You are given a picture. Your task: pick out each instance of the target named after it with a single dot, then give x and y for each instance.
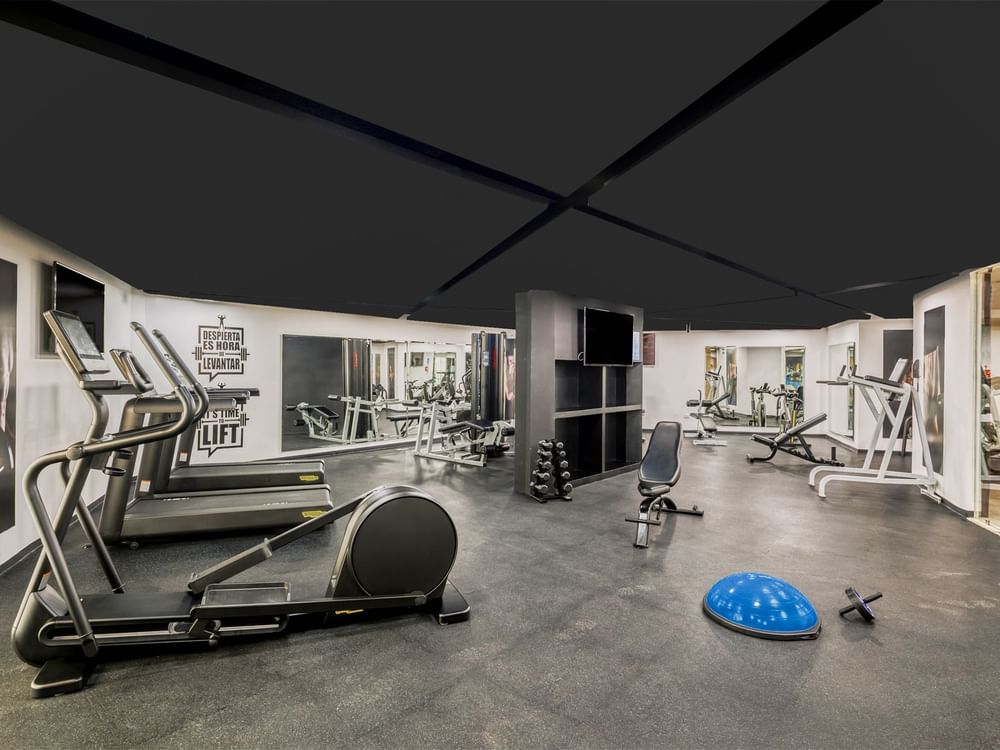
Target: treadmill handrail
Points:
(201, 395)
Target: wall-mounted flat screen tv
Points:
(73, 292)
(607, 337)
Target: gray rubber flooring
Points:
(576, 638)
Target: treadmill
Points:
(166, 466)
(163, 515)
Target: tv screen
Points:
(607, 337)
(78, 295)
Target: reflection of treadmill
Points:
(160, 472)
(169, 514)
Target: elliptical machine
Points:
(398, 549)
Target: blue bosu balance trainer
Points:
(761, 605)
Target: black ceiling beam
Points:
(881, 284)
(88, 32)
(814, 29)
(721, 260)
(810, 32)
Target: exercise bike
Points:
(398, 549)
(758, 410)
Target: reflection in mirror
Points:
(431, 371)
(720, 381)
(764, 384)
(841, 399)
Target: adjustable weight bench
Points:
(793, 442)
(658, 473)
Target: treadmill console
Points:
(76, 343)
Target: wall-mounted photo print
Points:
(8, 382)
(933, 374)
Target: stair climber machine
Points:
(398, 549)
(157, 512)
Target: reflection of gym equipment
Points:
(417, 391)
(323, 423)
(717, 392)
(859, 604)
(658, 473)
(707, 426)
(989, 434)
(758, 411)
(402, 422)
(445, 390)
(793, 442)
(461, 441)
(888, 400)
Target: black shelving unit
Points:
(596, 411)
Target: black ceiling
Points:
(854, 176)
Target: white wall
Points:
(51, 414)
(957, 475)
(679, 371)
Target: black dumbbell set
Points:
(550, 477)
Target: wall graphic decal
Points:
(222, 428)
(221, 350)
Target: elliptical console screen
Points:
(73, 336)
(79, 338)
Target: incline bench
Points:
(793, 442)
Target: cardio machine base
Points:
(60, 676)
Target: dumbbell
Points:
(564, 464)
(566, 488)
(540, 488)
(541, 477)
(544, 465)
(563, 475)
(859, 603)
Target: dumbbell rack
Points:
(550, 477)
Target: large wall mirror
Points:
(841, 406)
(762, 385)
(339, 391)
